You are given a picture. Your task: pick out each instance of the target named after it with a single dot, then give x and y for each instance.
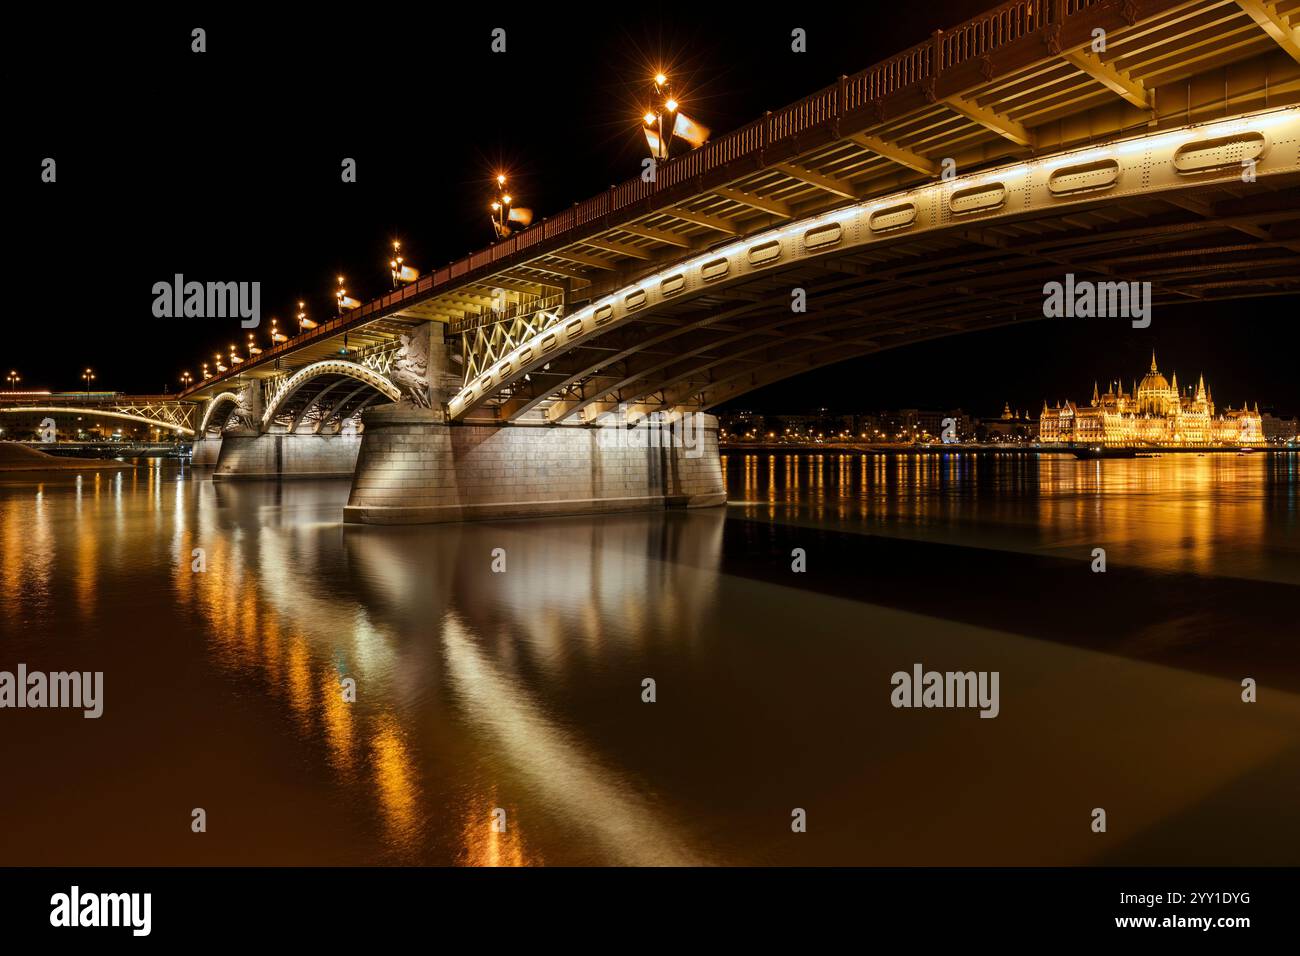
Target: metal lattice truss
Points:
(379, 358)
(483, 346)
(178, 416)
(173, 416)
(1200, 212)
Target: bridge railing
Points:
(976, 38)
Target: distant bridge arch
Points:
(98, 413)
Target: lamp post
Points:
(398, 269)
(665, 121)
(13, 378)
(344, 301)
(87, 377)
(505, 215)
(186, 379)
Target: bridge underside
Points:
(1218, 242)
(324, 404)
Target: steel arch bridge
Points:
(930, 194)
(957, 255)
(321, 394)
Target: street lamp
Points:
(186, 379)
(252, 346)
(304, 323)
(13, 378)
(88, 376)
(504, 212)
(276, 335)
(217, 357)
(398, 268)
(665, 120)
(206, 373)
(345, 301)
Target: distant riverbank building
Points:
(1154, 412)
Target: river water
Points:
(499, 715)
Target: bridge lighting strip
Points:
(1076, 176)
(99, 413)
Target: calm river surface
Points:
(522, 690)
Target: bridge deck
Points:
(1021, 80)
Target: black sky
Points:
(225, 166)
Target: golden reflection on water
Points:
(1219, 514)
(462, 676)
(492, 840)
(395, 785)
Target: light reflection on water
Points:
(521, 691)
(1215, 514)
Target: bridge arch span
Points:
(334, 386)
(961, 254)
(218, 401)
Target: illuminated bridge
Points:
(164, 414)
(935, 193)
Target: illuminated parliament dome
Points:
(1154, 412)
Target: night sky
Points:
(225, 166)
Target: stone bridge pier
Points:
(283, 455)
(253, 448)
(206, 450)
(417, 467)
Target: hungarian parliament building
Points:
(1155, 412)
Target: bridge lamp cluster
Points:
(398, 269)
(665, 121)
(253, 348)
(13, 378)
(344, 301)
(304, 323)
(87, 377)
(507, 218)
